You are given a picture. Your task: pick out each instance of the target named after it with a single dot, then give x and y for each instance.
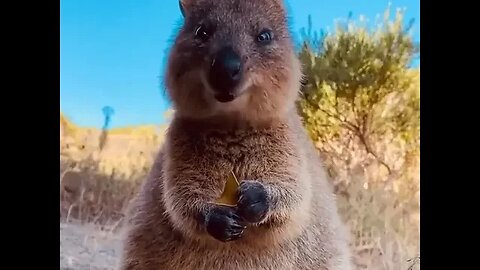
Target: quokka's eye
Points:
(265, 37)
(202, 33)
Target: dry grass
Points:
(381, 210)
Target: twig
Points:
(414, 261)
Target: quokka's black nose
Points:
(226, 71)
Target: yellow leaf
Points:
(229, 195)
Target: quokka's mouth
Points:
(227, 94)
(225, 97)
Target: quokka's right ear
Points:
(185, 6)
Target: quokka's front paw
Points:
(224, 224)
(253, 203)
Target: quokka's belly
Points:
(222, 258)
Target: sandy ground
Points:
(87, 247)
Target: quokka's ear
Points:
(185, 6)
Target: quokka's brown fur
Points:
(287, 216)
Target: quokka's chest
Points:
(249, 156)
(240, 146)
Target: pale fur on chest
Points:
(249, 153)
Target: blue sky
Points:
(112, 52)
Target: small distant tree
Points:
(107, 113)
